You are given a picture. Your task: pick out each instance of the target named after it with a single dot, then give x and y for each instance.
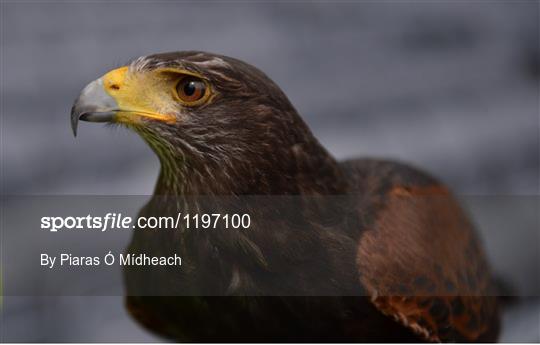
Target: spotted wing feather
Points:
(419, 258)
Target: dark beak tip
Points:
(74, 124)
(74, 120)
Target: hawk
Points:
(401, 260)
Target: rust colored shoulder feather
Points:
(419, 258)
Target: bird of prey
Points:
(398, 260)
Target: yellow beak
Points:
(114, 98)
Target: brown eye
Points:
(191, 89)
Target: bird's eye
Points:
(191, 89)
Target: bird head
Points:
(204, 115)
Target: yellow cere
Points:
(140, 95)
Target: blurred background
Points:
(450, 86)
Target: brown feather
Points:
(422, 265)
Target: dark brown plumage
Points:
(390, 254)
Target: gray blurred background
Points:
(450, 86)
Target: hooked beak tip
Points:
(74, 120)
(93, 105)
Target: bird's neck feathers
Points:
(298, 166)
